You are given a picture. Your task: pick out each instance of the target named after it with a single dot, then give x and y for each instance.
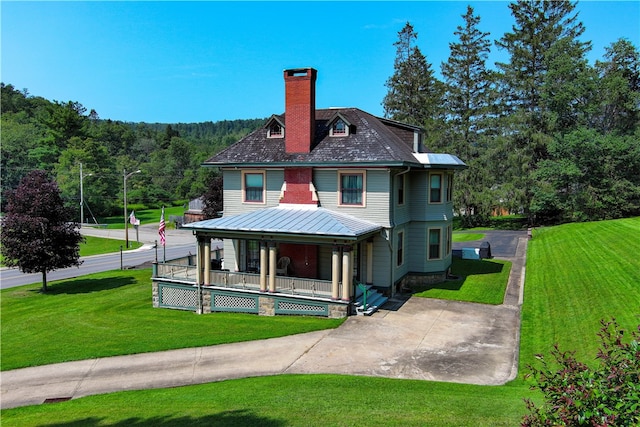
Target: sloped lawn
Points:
(576, 275)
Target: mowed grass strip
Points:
(110, 314)
(478, 281)
(576, 275)
(466, 237)
(146, 216)
(288, 400)
(98, 245)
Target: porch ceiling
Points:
(289, 220)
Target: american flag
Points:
(161, 229)
(132, 218)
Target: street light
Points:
(82, 196)
(126, 218)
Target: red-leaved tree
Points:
(37, 233)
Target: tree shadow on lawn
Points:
(227, 418)
(460, 270)
(85, 286)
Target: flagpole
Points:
(163, 240)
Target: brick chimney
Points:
(300, 109)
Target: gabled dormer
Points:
(339, 126)
(275, 127)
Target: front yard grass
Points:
(110, 313)
(478, 281)
(576, 275)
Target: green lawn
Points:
(466, 237)
(287, 400)
(146, 216)
(478, 281)
(110, 313)
(99, 245)
(576, 275)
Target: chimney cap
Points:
(291, 72)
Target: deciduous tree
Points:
(37, 235)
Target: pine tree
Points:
(415, 95)
(37, 235)
(619, 89)
(528, 122)
(468, 104)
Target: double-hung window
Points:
(449, 187)
(400, 188)
(253, 183)
(400, 251)
(352, 188)
(434, 243)
(435, 188)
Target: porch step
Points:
(374, 300)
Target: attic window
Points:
(275, 131)
(339, 128)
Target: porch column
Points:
(347, 272)
(199, 257)
(335, 273)
(369, 262)
(272, 266)
(263, 266)
(207, 262)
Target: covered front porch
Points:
(299, 261)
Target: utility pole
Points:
(126, 218)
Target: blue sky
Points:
(176, 62)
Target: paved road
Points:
(413, 338)
(180, 243)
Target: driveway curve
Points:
(412, 338)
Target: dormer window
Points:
(275, 130)
(339, 127)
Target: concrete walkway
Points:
(415, 338)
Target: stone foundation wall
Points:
(338, 311)
(155, 294)
(206, 301)
(411, 281)
(267, 306)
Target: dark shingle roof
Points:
(371, 140)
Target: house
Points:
(194, 213)
(323, 209)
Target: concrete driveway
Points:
(413, 338)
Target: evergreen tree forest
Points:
(545, 134)
(65, 140)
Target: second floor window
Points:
(400, 187)
(351, 189)
(254, 187)
(435, 188)
(449, 187)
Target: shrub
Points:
(579, 395)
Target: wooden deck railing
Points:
(251, 281)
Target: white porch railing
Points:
(249, 281)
